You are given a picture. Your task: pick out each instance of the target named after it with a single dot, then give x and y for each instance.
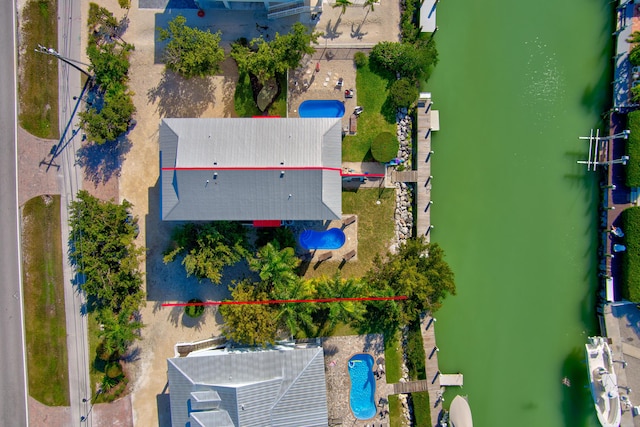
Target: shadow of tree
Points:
(331, 32)
(101, 162)
(180, 97)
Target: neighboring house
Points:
(250, 169)
(279, 387)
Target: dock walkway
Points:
(427, 327)
(427, 122)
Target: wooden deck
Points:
(427, 327)
(411, 387)
(423, 169)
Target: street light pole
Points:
(51, 51)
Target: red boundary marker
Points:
(267, 168)
(284, 301)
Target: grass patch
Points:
(633, 150)
(38, 84)
(375, 230)
(393, 358)
(631, 257)
(373, 89)
(245, 106)
(421, 409)
(395, 411)
(415, 353)
(46, 336)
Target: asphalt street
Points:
(13, 385)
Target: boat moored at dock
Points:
(603, 382)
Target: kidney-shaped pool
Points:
(363, 386)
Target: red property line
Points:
(284, 301)
(267, 168)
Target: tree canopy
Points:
(109, 121)
(411, 60)
(191, 52)
(265, 59)
(252, 324)
(419, 271)
(104, 252)
(208, 248)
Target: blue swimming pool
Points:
(363, 386)
(333, 238)
(316, 108)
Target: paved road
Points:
(13, 381)
(70, 181)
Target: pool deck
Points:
(316, 255)
(337, 352)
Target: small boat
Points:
(460, 413)
(566, 381)
(603, 381)
(617, 231)
(619, 248)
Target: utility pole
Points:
(51, 51)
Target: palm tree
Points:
(118, 332)
(342, 311)
(295, 316)
(343, 4)
(275, 266)
(369, 4)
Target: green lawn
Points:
(395, 411)
(245, 105)
(372, 91)
(375, 230)
(421, 409)
(38, 84)
(43, 282)
(393, 358)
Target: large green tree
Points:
(191, 52)
(104, 253)
(296, 317)
(411, 60)
(419, 271)
(110, 120)
(252, 324)
(265, 59)
(110, 65)
(208, 248)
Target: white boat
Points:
(460, 413)
(604, 383)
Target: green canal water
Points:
(516, 84)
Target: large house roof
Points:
(282, 387)
(251, 169)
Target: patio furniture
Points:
(349, 255)
(353, 124)
(325, 256)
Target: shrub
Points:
(407, 59)
(384, 147)
(113, 369)
(194, 311)
(403, 93)
(631, 257)
(633, 150)
(360, 59)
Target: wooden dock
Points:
(427, 327)
(448, 380)
(427, 122)
(411, 386)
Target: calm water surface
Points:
(516, 85)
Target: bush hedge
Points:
(403, 93)
(631, 257)
(384, 147)
(194, 310)
(633, 150)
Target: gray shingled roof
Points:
(283, 387)
(195, 185)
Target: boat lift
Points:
(599, 149)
